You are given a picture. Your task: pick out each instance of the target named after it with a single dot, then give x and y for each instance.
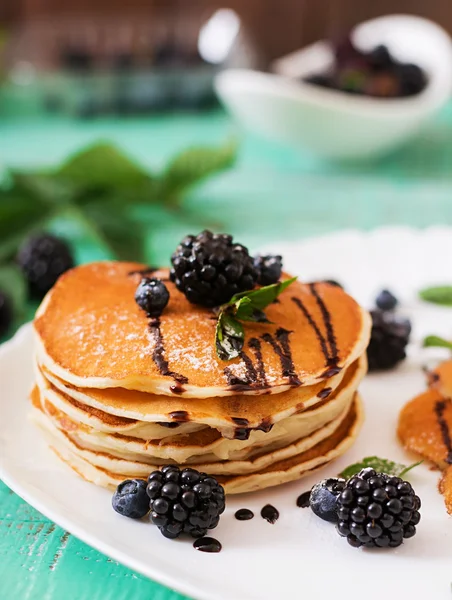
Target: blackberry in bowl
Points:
(210, 268)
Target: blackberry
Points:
(184, 501)
(209, 268)
(152, 296)
(377, 510)
(269, 269)
(388, 340)
(412, 79)
(6, 314)
(43, 258)
(323, 498)
(130, 499)
(386, 301)
(379, 58)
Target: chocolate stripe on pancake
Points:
(440, 408)
(333, 359)
(281, 346)
(158, 356)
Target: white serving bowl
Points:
(333, 124)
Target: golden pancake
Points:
(205, 445)
(227, 414)
(91, 333)
(278, 471)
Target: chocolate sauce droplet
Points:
(179, 415)
(270, 514)
(207, 544)
(244, 514)
(303, 499)
(324, 393)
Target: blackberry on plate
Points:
(323, 498)
(43, 258)
(377, 510)
(131, 499)
(389, 338)
(152, 296)
(386, 300)
(6, 313)
(210, 268)
(184, 501)
(269, 269)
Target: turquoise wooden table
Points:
(273, 193)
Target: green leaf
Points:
(243, 310)
(103, 166)
(12, 283)
(441, 294)
(381, 465)
(49, 188)
(19, 216)
(229, 337)
(264, 296)
(193, 166)
(436, 341)
(123, 237)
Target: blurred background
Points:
(116, 136)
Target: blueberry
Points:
(386, 300)
(131, 499)
(323, 498)
(269, 269)
(152, 296)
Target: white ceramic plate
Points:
(300, 556)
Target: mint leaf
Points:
(244, 310)
(103, 166)
(229, 337)
(264, 296)
(381, 465)
(246, 306)
(436, 342)
(193, 166)
(441, 294)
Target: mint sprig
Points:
(246, 306)
(381, 465)
(440, 294)
(435, 341)
(103, 190)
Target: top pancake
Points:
(91, 333)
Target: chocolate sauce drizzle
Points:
(244, 514)
(324, 393)
(158, 356)
(303, 499)
(281, 347)
(270, 514)
(144, 272)
(256, 347)
(207, 544)
(440, 408)
(328, 344)
(181, 416)
(168, 425)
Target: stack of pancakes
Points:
(119, 394)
